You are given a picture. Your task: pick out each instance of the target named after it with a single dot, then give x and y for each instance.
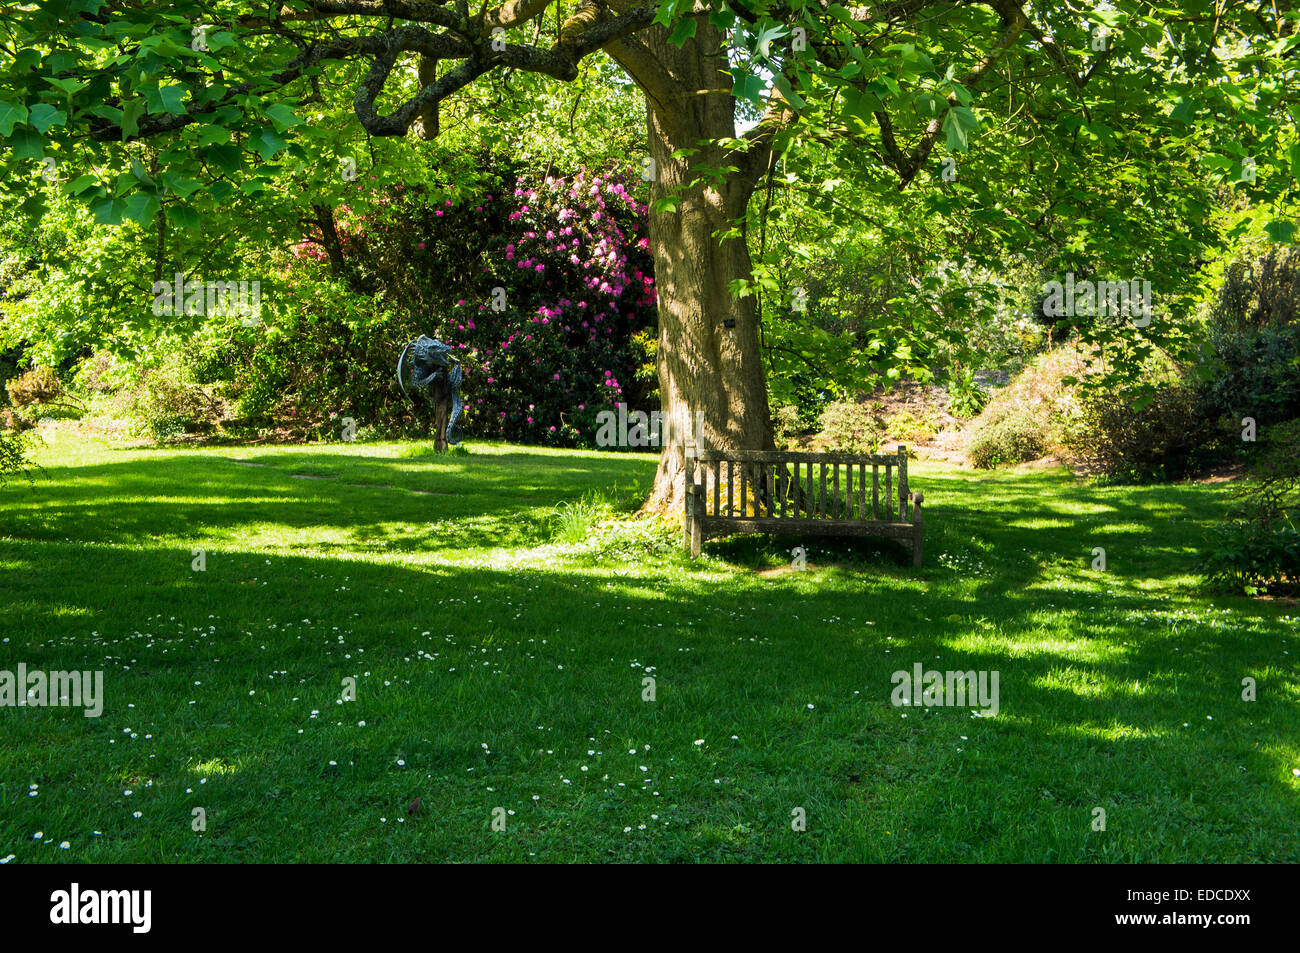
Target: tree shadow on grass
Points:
(799, 668)
(481, 501)
(1097, 682)
(1018, 529)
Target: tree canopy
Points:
(1102, 138)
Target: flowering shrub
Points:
(570, 285)
(543, 289)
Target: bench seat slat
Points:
(711, 527)
(781, 456)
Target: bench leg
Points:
(694, 503)
(917, 529)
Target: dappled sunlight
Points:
(216, 767)
(465, 625)
(1115, 733)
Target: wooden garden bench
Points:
(773, 491)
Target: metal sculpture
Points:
(427, 367)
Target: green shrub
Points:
(13, 455)
(572, 336)
(37, 386)
(1013, 436)
(101, 373)
(573, 521)
(1255, 372)
(36, 395)
(11, 419)
(907, 427)
(1258, 549)
(849, 427)
(1021, 421)
(1254, 558)
(966, 397)
(55, 411)
(1253, 336)
(166, 403)
(787, 423)
(1125, 441)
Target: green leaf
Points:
(10, 115)
(68, 86)
(111, 113)
(26, 59)
(862, 104)
(172, 97)
(225, 158)
(841, 13)
(183, 216)
(140, 207)
(108, 211)
(667, 10)
(955, 134)
(284, 118)
(783, 87)
(132, 110)
(1184, 110)
(747, 86)
(965, 118)
(683, 31)
(179, 185)
(765, 38)
(27, 144)
(80, 184)
(220, 41)
(212, 135)
(1280, 231)
(267, 143)
(163, 46)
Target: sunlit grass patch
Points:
(494, 661)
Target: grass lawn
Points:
(498, 668)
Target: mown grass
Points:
(498, 667)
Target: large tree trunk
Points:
(709, 358)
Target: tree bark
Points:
(709, 360)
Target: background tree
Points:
(879, 88)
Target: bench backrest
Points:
(793, 485)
